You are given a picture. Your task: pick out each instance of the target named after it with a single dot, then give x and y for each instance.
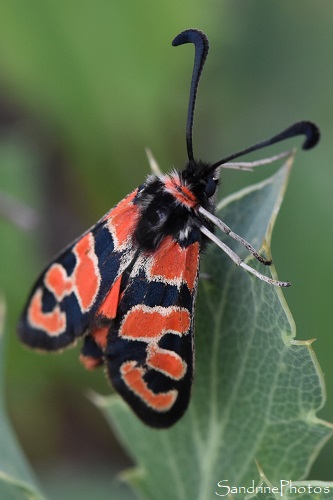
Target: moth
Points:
(127, 286)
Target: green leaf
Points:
(16, 478)
(256, 390)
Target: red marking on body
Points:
(172, 262)
(133, 375)
(122, 219)
(167, 362)
(89, 362)
(148, 323)
(84, 280)
(53, 322)
(182, 193)
(109, 306)
(100, 336)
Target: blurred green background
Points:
(84, 87)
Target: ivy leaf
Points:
(256, 390)
(16, 478)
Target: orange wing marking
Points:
(54, 322)
(175, 264)
(84, 282)
(85, 279)
(89, 362)
(167, 362)
(151, 323)
(100, 335)
(109, 306)
(133, 375)
(108, 310)
(122, 219)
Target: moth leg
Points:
(238, 261)
(226, 229)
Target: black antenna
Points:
(308, 129)
(201, 50)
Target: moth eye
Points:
(210, 187)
